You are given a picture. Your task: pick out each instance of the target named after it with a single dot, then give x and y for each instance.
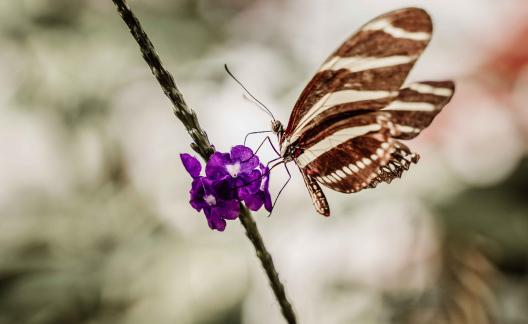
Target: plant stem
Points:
(267, 263)
(202, 146)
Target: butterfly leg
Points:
(267, 173)
(273, 160)
(283, 186)
(254, 133)
(270, 143)
(260, 146)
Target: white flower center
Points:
(210, 200)
(233, 169)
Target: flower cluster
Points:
(230, 178)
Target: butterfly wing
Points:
(417, 105)
(358, 152)
(348, 121)
(365, 72)
(347, 155)
(338, 171)
(316, 193)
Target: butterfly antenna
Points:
(260, 104)
(257, 105)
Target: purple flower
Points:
(191, 164)
(257, 192)
(213, 198)
(240, 161)
(230, 178)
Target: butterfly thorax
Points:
(289, 153)
(287, 150)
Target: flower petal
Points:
(197, 193)
(241, 153)
(248, 160)
(215, 221)
(191, 164)
(265, 177)
(230, 210)
(264, 188)
(268, 204)
(249, 183)
(216, 166)
(253, 202)
(224, 188)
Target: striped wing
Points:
(387, 161)
(317, 194)
(346, 127)
(358, 152)
(416, 106)
(365, 73)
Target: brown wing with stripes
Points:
(316, 193)
(361, 151)
(366, 72)
(338, 171)
(345, 128)
(351, 158)
(417, 105)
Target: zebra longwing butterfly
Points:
(344, 131)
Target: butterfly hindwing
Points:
(400, 160)
(355, 153)
(352, 165)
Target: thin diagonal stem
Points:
(267, 263)
(187, 116)
(203, 147)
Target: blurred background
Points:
(95, 225)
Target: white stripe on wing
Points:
(333, 140)
(337, 98)
(364, 63)
(410, 106)
(396, 32)
(427, 89)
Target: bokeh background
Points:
(95, 226)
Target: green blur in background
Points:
(95, 225)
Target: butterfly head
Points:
(276, 127)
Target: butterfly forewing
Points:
(366, 72)
(416, 106)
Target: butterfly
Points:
(346, 128)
